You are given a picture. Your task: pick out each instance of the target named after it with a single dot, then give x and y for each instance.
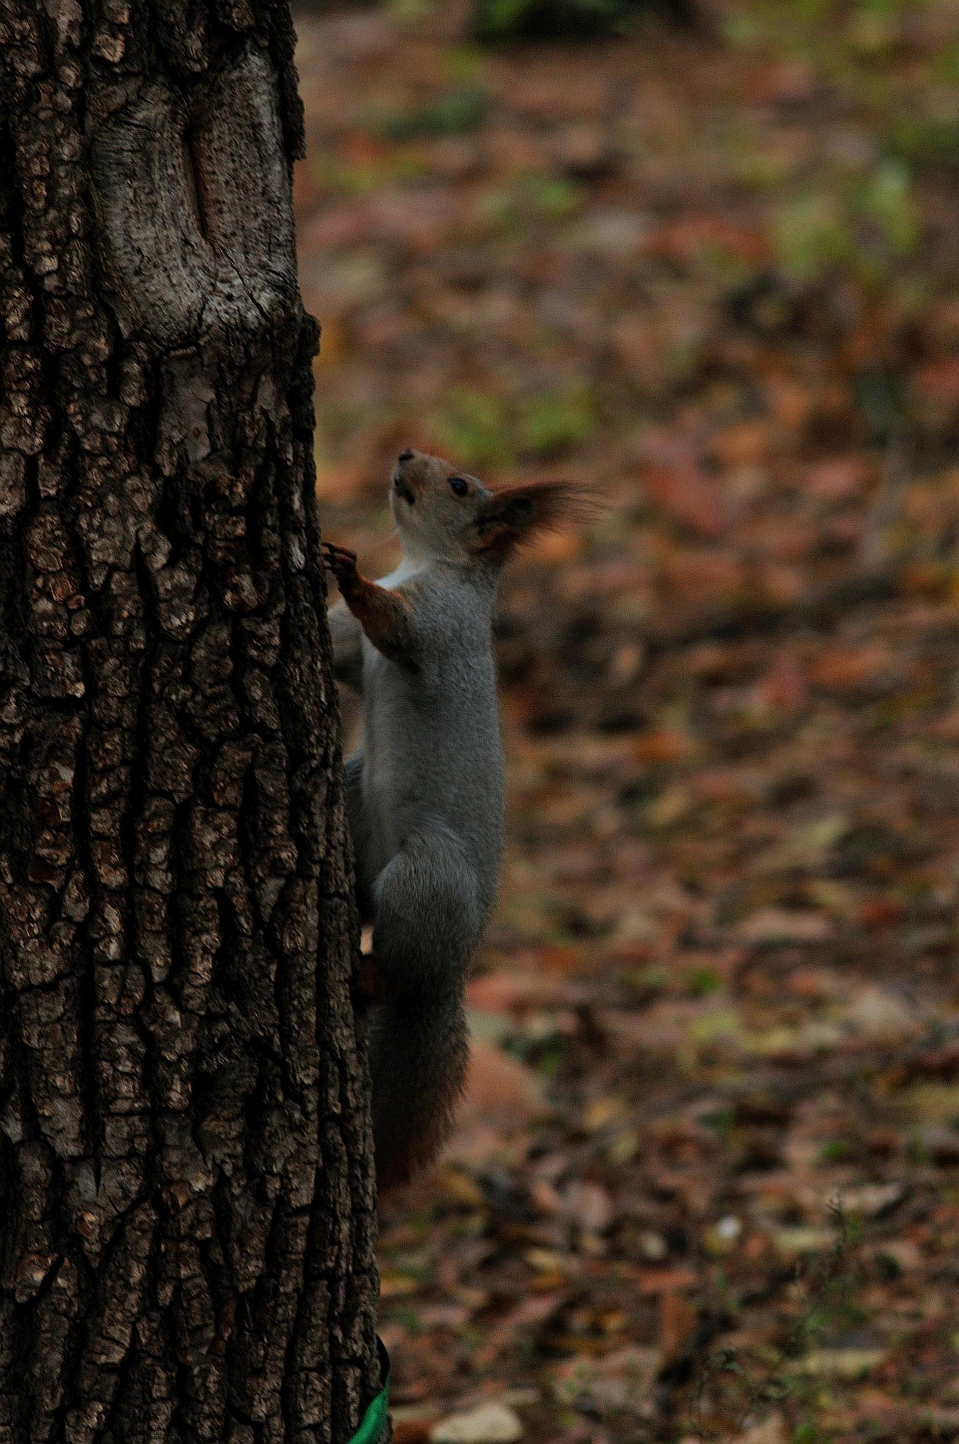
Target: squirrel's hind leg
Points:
(359, 825)
(428, 917)
(365, 985)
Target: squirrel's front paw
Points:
(341, 561)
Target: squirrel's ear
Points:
(516, 514)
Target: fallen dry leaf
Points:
(488, 1424)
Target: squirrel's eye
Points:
(458, 486)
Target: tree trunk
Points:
(187, 1214)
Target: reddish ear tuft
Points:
(517, 514)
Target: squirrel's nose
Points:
(406, 455)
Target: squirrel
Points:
(425, 788)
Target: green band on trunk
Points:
(374, 1420)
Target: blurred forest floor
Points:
(706, 1185)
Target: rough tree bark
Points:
(186, 1201)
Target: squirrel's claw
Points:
(341, 561)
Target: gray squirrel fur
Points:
(425, 787)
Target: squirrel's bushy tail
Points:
(418, 1057)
